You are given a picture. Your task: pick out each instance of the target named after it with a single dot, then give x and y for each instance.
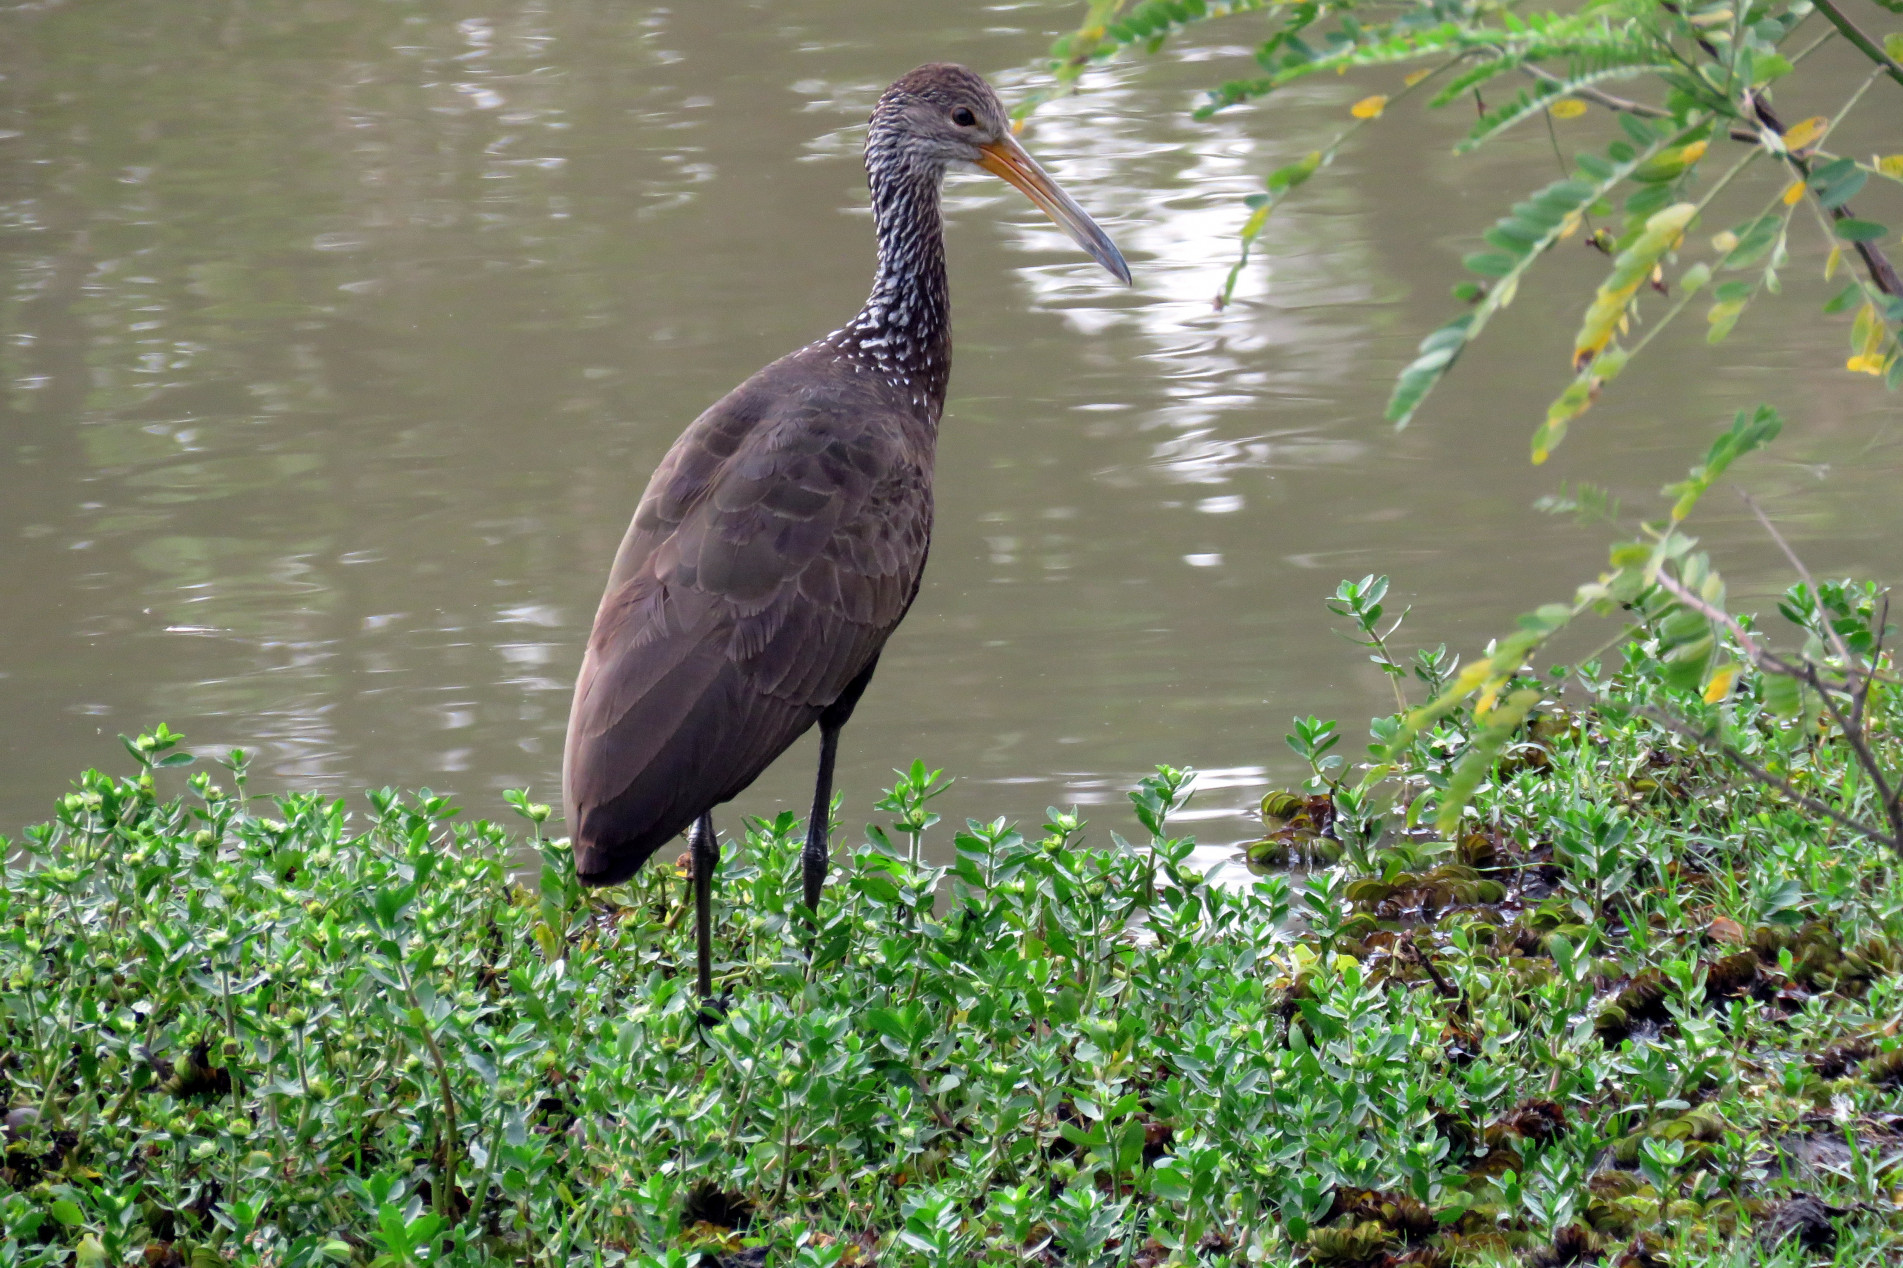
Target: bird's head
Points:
(940, 115)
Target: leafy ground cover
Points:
(1638, 1009)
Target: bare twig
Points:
(1865, 758)
(1855, 683)
(1843, 653)
(1859, 673)
(1756, 655)
(1879, 626)
(1441, 984)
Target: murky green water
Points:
(340, 337)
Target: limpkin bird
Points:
(782, 538)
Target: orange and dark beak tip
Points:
(1006, 159)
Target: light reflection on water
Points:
(339, 340)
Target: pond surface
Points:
(340, 337)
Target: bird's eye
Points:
(963, 117)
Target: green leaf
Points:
(1723, 316)
(1490, 264)
(1747, 433)
(1843, 298)
(1768, 66)
(1755, 238)
(1854, 230)
(1837, 182)
(1782, 696)
(1293, 174)
(888, 1025)
(67, 1212)
(1544, 217)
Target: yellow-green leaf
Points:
(1722, 318)
(1867, 332)
(1722, 679)
(1629, 272)
(1669, 163)
(1501, 722)
(1799, 135)
(1567, 108)
(1631, 555)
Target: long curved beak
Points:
(1006, 158)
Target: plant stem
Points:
(450, 1135)
(1864, 43)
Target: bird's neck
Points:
(904, 331)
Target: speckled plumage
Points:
(777, 546)
(783, 537)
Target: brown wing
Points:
(775, 549)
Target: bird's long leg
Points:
(706, 857)
(817, 855)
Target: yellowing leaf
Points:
(1720, 685)
(1893, 45)
(1722, 317)
(1799, 135)
(1669, 164)
(1723, 243)
(1417, 77)
(1867, 332)
(1793, 192)
(1631, 270)
(1832, 260)
(1470, 678)
(1865, 365)
(1890, 165)
(1569, 108)
(1369, 107)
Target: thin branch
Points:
(1762, 659)
(1857, 681)
(1843, 653)
(1708, 738)
(1878, 265)
(1624, 105)
(1865, 758)
(1864, 43)
(1766, 661)
(1756, 655)
(1861, 694)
